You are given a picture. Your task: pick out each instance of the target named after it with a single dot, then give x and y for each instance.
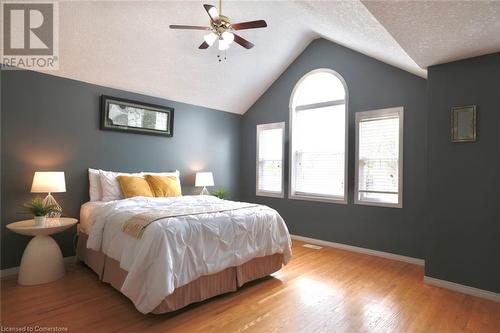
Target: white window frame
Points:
(258, 192)
(378, 114)
(292, 194)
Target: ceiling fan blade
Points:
(243, 42)
(249, 25)
(189, 27)
(203, 46)
(213, 13)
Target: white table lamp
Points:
(49, 182)
(204, 179)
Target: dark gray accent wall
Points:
(52, 123)
(372, 85)
(464, 178)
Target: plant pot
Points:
(40, 220)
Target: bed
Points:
(183, 258)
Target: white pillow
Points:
(175, 173)
(95, 190)
(110, 186)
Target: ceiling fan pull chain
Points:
(220, 57)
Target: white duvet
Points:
(177, 250)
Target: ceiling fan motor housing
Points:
(224, 25)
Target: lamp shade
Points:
(46, 182)
(204, 179)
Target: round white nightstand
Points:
(42, 260)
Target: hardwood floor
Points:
(327, 290)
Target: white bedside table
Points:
(42, 260)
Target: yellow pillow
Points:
(164, 186)
(134, 187)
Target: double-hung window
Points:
(318, 138)
(379, 157)
(270, 139)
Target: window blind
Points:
(378, 158)
(320, 173)
(270, 158)
(319, 143)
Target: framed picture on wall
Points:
(118, 114)
(463, 124)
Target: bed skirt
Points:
(203, 288)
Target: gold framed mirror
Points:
(463, 124)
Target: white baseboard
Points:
(14, 270)
(462, 288)
(387, 255)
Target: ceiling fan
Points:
(221, 29)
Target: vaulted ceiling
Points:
(128, 45)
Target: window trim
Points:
(263, 127)
(372, 114)
(292, 194)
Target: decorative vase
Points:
(39, 221)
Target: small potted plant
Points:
(39, 210)
(220, 193)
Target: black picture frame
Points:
(107, 123)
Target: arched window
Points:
(318, 137)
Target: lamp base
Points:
(50, 201)
(204, 191)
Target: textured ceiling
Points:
(128, 45)
(436, 32)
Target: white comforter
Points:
(177, 250)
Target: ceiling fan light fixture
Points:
(228, 37)
(223, 45)
(210, 38)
